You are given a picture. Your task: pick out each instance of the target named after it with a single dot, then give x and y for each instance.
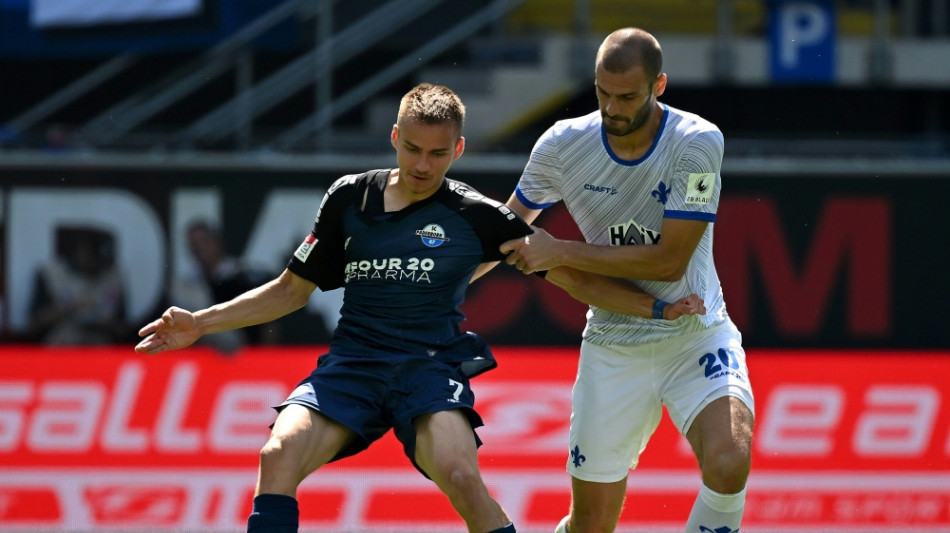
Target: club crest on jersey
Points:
(432, 235)
(661, 193)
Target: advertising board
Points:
(804, 262)
(100, 439)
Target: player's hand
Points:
(691, 305)
(177, 328)
(531, 253)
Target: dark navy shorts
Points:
(372, 395)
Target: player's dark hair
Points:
(432, 104)
(627, 48)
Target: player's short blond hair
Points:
(432, 104)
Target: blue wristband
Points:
(658, 307)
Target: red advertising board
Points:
(100, 439)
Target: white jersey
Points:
(618, 202)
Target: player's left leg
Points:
(721, 437)
(445, 450)
(709, 397)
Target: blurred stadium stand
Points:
(313, 78)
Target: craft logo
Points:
(600, 188)
(432, 235)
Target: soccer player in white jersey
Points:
(629, 173)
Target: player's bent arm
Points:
(272, 300)
(178, 328)
(664, 261)
(526, 213)
(618, 295)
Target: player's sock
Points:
(510, 528)
(562, 525)
(716, 512)
(273, 513)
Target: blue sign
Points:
(802, 41)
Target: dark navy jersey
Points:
(405, 273)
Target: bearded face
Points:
(626, 100)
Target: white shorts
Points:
(620, 392)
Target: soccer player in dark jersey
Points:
(405, 243)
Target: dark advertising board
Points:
(805, 261)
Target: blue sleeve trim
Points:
(529, 203)
(690, 215)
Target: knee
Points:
(464, 479)
(461, 481)
(271, 451)
(276, 457)
(726, 468)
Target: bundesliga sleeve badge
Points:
(699, 188)
(303, 251)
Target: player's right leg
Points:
(301, 441)
(615, 410)
(595, 507)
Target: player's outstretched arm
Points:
(619, 295)
(178, 328)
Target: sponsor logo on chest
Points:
(413, 269)
(632, 233)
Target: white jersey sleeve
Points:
(541, 177)
(696, 181)
(556, 153)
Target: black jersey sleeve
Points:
(492, 221)
(320, 257)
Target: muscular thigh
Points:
(444, 442)
(425, 388)
(723, 425)
(615, 410)
(701, 368)
(350, 391)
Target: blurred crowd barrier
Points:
(813, 258)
